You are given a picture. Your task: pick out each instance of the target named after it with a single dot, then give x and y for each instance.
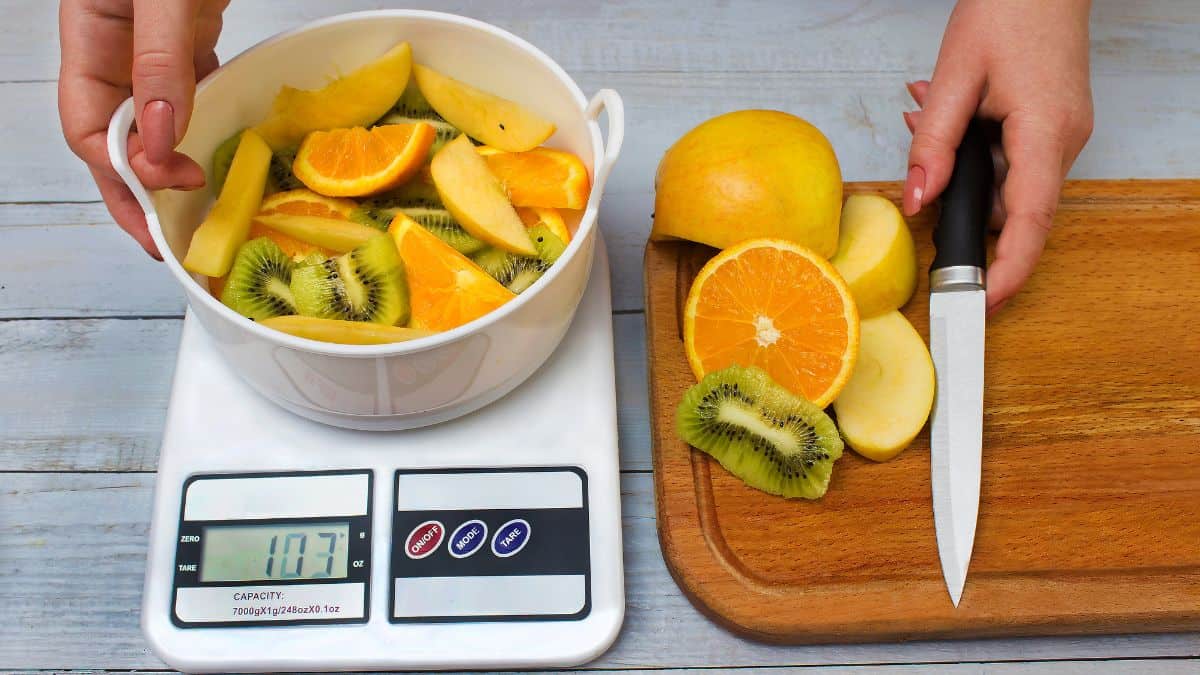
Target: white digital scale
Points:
(492, 541)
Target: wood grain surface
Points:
(1089, 518)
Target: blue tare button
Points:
(468, 538)
(510, 538)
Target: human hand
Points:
(155, 50)
(1023, 63)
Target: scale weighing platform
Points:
(491, 541)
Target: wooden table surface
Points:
(89, 325)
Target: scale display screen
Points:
(270, 552)
(274, 549)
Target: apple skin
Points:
(495, 121)
(876, 255)
(890, 394)
(750, 174)
(476, 199)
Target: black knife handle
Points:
(961, 233)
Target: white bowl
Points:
(424, 381)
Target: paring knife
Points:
(956, 330)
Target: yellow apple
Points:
(890, 394)
(496, 121)
(334, 234)
(225, 227)
(476, 199)
(876, 255)
(343, 332)
(747, 175)
(355, 100)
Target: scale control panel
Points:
(281, 549)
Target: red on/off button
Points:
(424, 540)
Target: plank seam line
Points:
(116, 317)
(114, 472)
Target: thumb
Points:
(1035, 175)
(164, 75)
(952, 99)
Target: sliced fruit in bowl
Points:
(475, 198)
(366, 284)
(355, 162)
(447, 289)
(333, 234)
(494, 120)
(259, 283)
(540, 177)
(518, 272)
(356, 99)
(343, 332)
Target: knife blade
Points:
(957, 309)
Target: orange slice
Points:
(355, 162)
(540, 177)
(445, 288)
(533, 216)
(778, 306)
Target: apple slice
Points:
(496, 121)
(331, 233)
(343, 332)
(476, 199)
(354, 100)
(875, 255)
(890, 394)
(224, 229)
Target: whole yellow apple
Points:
(746, 175)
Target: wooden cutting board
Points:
(1089, 520)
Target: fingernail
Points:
(914, 190)
(157, 131)
(912, 89)
(909, 121)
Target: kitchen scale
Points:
(491, 541)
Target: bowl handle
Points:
(118, 154)
(607, 99)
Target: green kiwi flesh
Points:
(222, 159)
(417, 200)
(411, 108)
(770, 438)
(366, 284)
(517, 272)
(279, 175)
(258, 285)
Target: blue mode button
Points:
(468, 538)
(510, 538)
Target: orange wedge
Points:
(445, 288)
(356, 162)
(540, 177)
(778, 306)
(533, 216)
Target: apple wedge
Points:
(354, 100)
(496, 121)
(876, 255)
(224, 229)
(331, 233)
(476, 199)
(343, 332)
(890, 394)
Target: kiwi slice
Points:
(222, 159)
(772, 439)
(379, 211)
(258, 286)
(518, 272)
(411, 108)
(366, 284)
(279, 175)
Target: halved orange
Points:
(445, 288)
(540, 177)
(779, 306)
(533, 216)
(356, 162)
